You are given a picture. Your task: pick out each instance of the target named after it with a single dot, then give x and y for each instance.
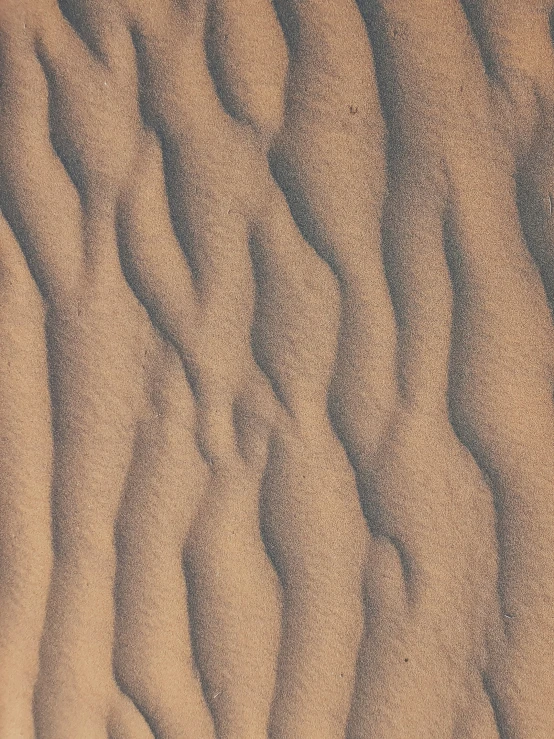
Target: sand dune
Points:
(276, 402)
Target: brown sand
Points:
(276, 403)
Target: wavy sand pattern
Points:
(276, 400)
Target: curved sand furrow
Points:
(153, 656)
(419, 278)
(312, 523)
(333, 139)
(240, 636)
(248, 62)
(480, 389)
(94, 411)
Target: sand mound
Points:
(276, 403)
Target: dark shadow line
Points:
(359, 670)
(283, 176)
(9, 211)
(532, 216)
(288, 18)
(271, 549)
(370, 511)
(132, 278)
(269, 546)
(61, 145)
(189, 577)
(73, 13)
(475, 17)
(123, 688)
(153, 122)
(57, 412)
(55, 424)
(499, 718)
(216, 67)
(466, 436)
(256, 258)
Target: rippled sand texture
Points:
(276, 378)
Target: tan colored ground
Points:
(276, 369)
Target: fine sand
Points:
(276, 369)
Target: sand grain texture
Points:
(276, 379)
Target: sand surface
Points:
(276, 369)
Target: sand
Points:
(276, 369)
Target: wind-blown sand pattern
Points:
(276, 400)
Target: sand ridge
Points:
(276, 389)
